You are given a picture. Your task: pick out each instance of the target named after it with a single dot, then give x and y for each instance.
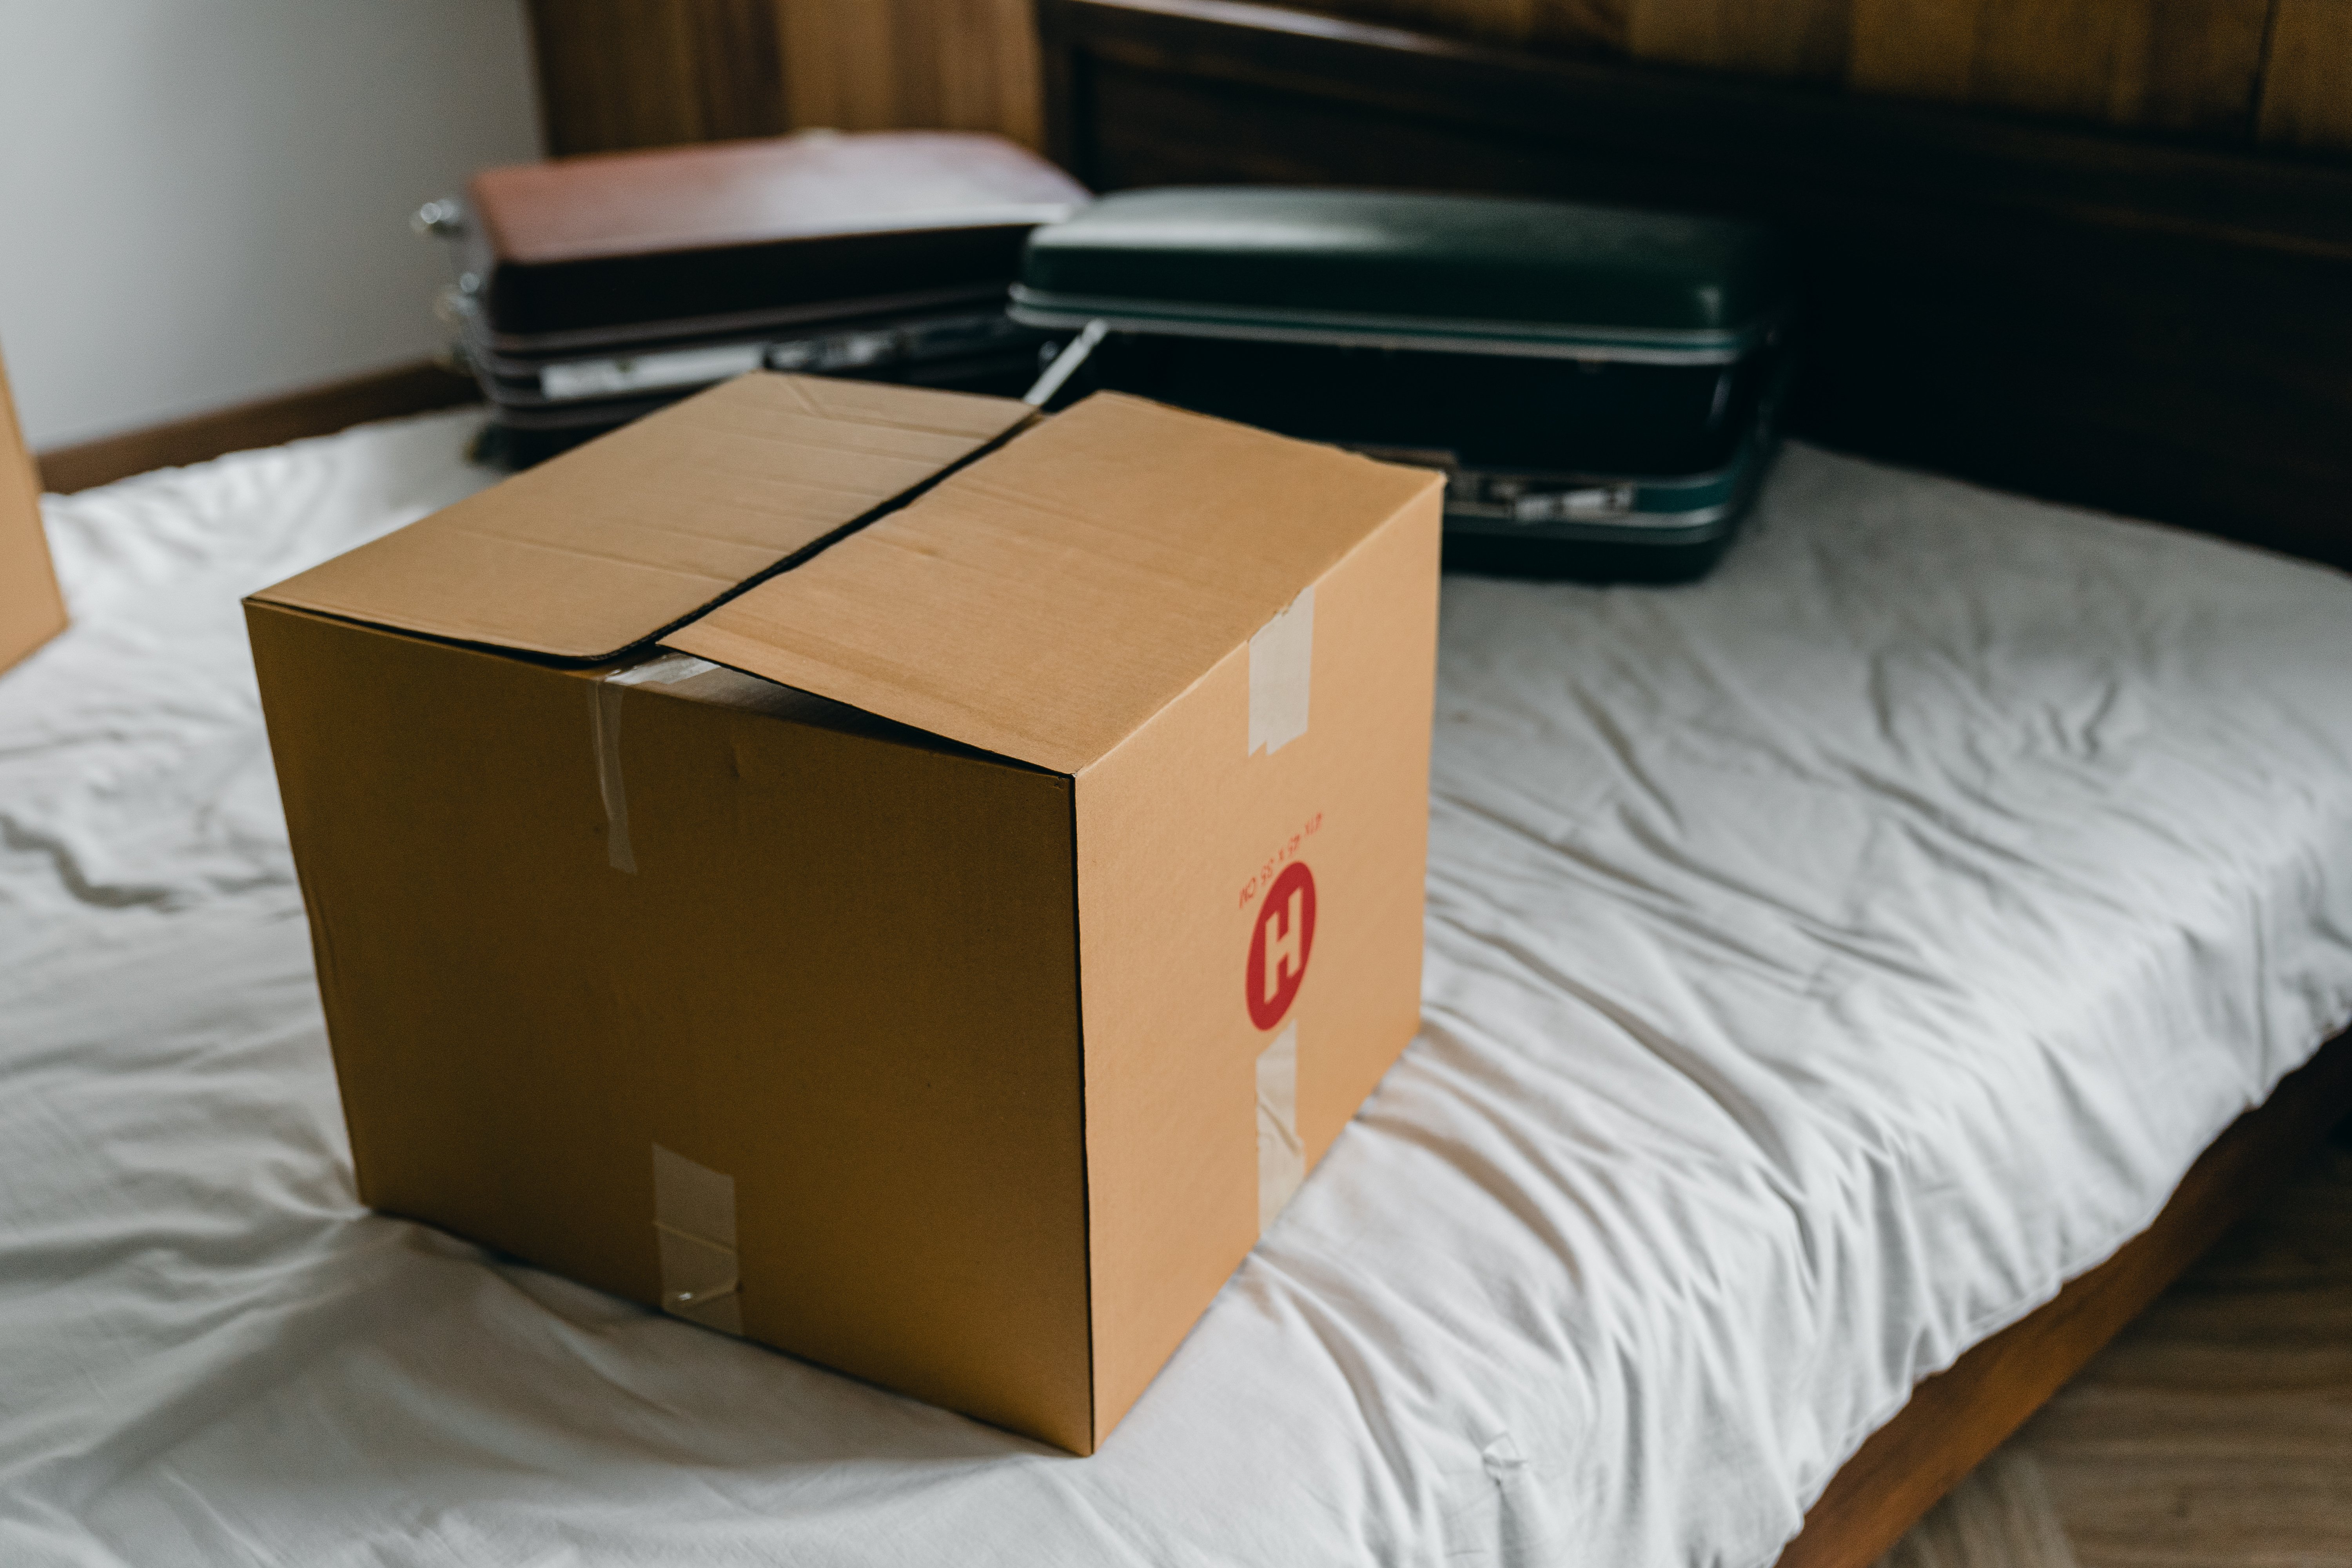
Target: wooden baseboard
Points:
(1956, 1418)
(266, 422)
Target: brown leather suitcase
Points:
(593, 289)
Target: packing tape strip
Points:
(604, 719)
(667, 670)
(1281, 664)
(694, 1229)
(1281, 1156)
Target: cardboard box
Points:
(938, 959)
(31, 611)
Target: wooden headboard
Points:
(2150, 324)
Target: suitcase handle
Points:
(1065, 365)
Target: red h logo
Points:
(1280, 944)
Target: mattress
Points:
(1825, 963)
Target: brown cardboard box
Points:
(31, 611)
(935, 961)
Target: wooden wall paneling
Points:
(738, 67)
(841, 65)
(1799, 40)
(651, 73)
(2306, 93)
(2202, 71)
(2191, 65)
(2058, 57)
(615, 74)
(607, 78)
(989, 76)
(1914, 48)
(2172, 65)
(2175, 64)
(951, 65)
(1579, 25)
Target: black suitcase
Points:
(593, 289)
(1601, 386)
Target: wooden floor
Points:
(2215, 1432)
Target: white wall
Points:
(206, 201)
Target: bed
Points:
(1827, 963)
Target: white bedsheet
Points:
(1826, 962)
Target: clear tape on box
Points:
(1281, 1155)
(694, 1227)
(1281, 662)
(605, 721)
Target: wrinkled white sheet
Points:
(1826, 962)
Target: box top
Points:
(1040, 603)
(763, 192)
(1401, 269)
(1045, 600)
(606, 546)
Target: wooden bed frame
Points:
(2151, 326)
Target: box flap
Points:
(1048, 599)
(601, 548)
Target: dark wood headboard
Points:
(2153, 326)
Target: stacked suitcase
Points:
(593, 289)
(1601, 386)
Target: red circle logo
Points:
(1280, 944)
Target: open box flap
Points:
(593, 553)
(1045, 600)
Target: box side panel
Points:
(1207, 964)
(1376, 678)
(864, 954)
(450, 862)
(31, 611)
(561, 923)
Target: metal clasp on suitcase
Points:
(1562, 506)
(1535, 498)
(864, 348)
(1513, 497)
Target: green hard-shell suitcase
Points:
(1601, 385)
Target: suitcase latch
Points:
(1560, 506)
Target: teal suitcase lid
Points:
(1484, 274)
